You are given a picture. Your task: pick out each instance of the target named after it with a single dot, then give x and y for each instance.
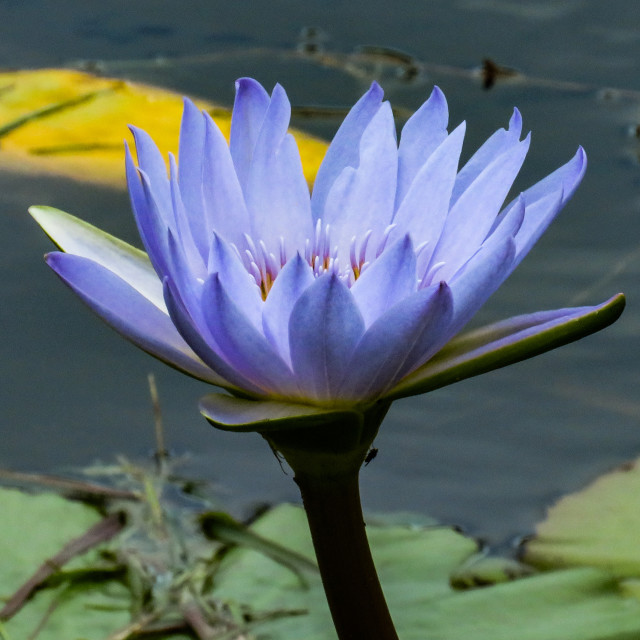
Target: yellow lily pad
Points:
(73, 124)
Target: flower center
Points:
(319, 252)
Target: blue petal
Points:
(344, 148)
(472, 216)
(424, 209)
(276, 192)
(225, 209)
(421, 135)
(362, 197)
(243, 346)
(291, 282)
(151, 224)
(196, 334)
(249, 109)
(398, 342)
(233, 276)
(129, 313)
(150, 160)
(544, 200)
(495, 145)
(324, 328)
(386, 281)
(192, 133)
(153, 228)
(480, 277)
(187, 236)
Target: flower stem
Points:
(326, 460)
(349, 577)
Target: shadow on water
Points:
(490, 453)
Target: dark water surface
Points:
(489, 453)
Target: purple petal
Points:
(472, 216)
(225, 208)
(150, 160)
(495, 145)
(192, 134)
(537, 217)
(567, 177)
(424, 210)
(362, 197)
(249, 109)
(197, 336)
(344, 148)
(324, 328)
(386, 281)
(276, 193)
(233, 276)
(545, 199)
(151, 225)
(511, 223)
(153, 228)
(194, 253)
(399, 341)
(242, 345)
(421, 135)
(129, 313)
(292, 281)
(480, 277)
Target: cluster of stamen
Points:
(318, 252)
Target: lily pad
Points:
(415, 565)
(595, 527)
(35, 528)
(72, 123)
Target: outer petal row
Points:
(129, 313)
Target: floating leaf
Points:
(482, 570)
(415, 565)
(35, 528)
(73, 124)
(596, 527)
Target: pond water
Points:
(490, 453)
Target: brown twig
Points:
(100, 532)
(75, 488)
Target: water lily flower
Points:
(335, 299)
(317, 311)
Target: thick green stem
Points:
(350, 581)
(326, 460)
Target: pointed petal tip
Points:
(247, 84)
(437, 93)
(52, 258)
(581, 157)
(376, 88)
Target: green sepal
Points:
(316, 441)
(468, 355)
(73, 235)
(231, 413)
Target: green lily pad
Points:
(35, 528)
(596, 527)
(415, 565)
